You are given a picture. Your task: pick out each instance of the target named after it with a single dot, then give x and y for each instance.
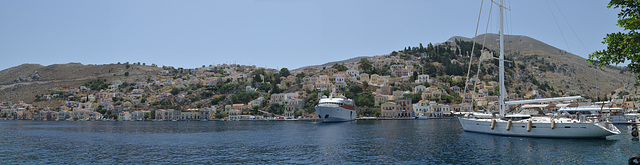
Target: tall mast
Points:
(501, 66)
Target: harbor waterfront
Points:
(437, 141)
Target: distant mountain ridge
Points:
(329, 64)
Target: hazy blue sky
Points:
(271, 33)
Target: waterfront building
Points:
(139, 115)
(80, 114)
(190, 114)
(289, 111)
(124, 116)
(422, 107)
(387, 110)
(436, 110)
(64, 115)
(404, 108)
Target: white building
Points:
(423, 78)
(353, 74)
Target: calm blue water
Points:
(301, 142)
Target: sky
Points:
(275, 33)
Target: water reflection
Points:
(300, 142)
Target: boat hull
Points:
(561, 130)
(335, 114)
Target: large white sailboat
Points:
(534, 124)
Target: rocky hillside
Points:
(562, 70)
(25, 81)
(329, 64)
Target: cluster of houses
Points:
(23, 111)
(83, 103)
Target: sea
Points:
(438, 141)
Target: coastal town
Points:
(425, 81)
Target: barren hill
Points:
(562, 70)
(23, 82)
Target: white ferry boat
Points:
(337, 109)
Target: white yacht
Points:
(337, 109)
(534, 124)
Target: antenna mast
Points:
(501, 66)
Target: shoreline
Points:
(107, 120)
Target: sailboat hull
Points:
(561, 130)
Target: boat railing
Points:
(583, 117)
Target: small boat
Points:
(421, 117)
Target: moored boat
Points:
(543, 126)
(338, 109)
(535, 123)
(422, 117)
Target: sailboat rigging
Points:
(534, 122)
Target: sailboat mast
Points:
(501, 66)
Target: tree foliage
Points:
(217, 100)
(175, 91)
(243, 97)
(365, 65)
(97, 84)
(621, 46)
(257, 78)
(366, 99)
(219, 115)
(414, 97)
(339, 67)
(276, 109)
(284, 72)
